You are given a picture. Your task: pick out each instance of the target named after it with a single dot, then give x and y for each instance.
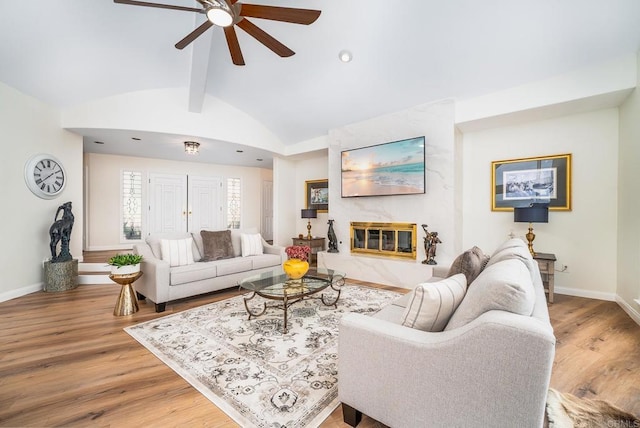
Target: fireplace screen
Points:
(385, 239)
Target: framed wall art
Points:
(317, 195)
(521, 182)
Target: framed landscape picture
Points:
(521, 182)
(317, 195)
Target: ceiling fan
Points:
(231, 13)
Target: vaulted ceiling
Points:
(71, 52)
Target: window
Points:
(233, 203)
(131, 205)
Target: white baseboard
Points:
(633, 313)
(23, 291)
(599, 295)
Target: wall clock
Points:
(45, 176)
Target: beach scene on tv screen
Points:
(395, 168)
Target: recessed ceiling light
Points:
(98, 142)
(345, 55)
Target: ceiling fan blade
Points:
(234, 46)
(158, 5)
(194, 35)
(265, 38)
(276, 13)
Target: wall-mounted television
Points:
(395, 168)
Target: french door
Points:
(183, 203)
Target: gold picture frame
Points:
(317, 195)
(542, 179)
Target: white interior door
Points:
(167, 203)
(267, 210)
(205, 199)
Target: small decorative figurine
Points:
(60, 231)
(333, 240)
(431, 241)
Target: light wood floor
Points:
(65, 361)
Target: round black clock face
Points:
(45, 176)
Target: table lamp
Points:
(535, 213)
(309, 213)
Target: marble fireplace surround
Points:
(439, 207)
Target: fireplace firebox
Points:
(397, 240)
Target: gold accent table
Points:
(127, 303)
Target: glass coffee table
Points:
(275, 285)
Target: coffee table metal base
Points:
(286, 302)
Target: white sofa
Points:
(162, 283)
(492, 371)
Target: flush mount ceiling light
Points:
(191, 147)
(345, 56)
(219, 13)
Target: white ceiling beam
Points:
(200, 54)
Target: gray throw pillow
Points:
(216, 245)
(470, 263)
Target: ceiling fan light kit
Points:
(231, 13)
(219, 13)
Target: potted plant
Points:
(124, 264)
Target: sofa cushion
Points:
(265, 260)
(432, 304)
(234, 265)
(518, 252)
(190, 273)
(216, 245)
(510, 243)
(177, 252)
(504, 286)
(251, 244)
(154, 243)
(470, 263)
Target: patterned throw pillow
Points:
(432, 303)
(178, 252)
(251, 244)
(216, 245)
(470, 263)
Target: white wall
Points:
(103, 196)
(28, 127)
(584, 239)
(629, 205)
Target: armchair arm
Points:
(154, 283)
(494, 371)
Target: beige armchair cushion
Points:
(504, 286)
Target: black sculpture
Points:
(60, 231)
(431, 240)
(333, 240)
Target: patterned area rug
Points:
(248, 368)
